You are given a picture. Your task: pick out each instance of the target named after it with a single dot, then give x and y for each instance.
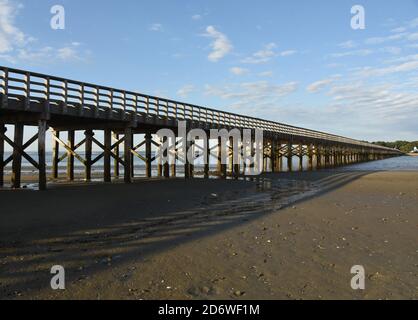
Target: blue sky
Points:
(297, 62)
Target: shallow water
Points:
(393, 164)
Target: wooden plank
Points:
(17, 156)
(107, 156)
(42, 127)
(70, 155)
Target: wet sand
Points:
(283, 236)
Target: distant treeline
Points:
(404, 146)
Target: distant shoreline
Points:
(413, 154)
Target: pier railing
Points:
(36, 87)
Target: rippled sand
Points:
(282, 236)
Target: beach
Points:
(278, 236)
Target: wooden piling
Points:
(222, 168)
(273, 156)
(55, 155)
(116, 171)
(17, 156)
(127, 155)
(165, 154)
(289, 157)
(173, 165)
(88, 152)
(107, 155)
(206, 146)
(310, 157)
(148, 154)
(42, 127)
(300, 157)
(70, 156)
(3, 130)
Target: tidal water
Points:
(404, 163)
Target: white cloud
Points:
(249, 96)
(266, 74)
(348, 44)
(359, 53)
(380, 40)
(399, 68)
(392, 50)
(221, 45)
(413, 36)
(287, 53)
(398, 30)
(196, 17)
(156, 27)
(238, 71)
(262, 56)
(414, 23)
(10, 35)
(16, 46)
(185, 91)
(321, 84)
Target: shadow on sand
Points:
(88, 228)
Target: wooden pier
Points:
(66, 106)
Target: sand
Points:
(213, 239)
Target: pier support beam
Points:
(289, 157)
(3, 130)
(17, 156)
(127, 155)
(221, 161)
(55, 155)
(88, 151)
(116, 171)
(300, 155)
(318, 154)
(107, 155)
(42, 127)
(206, 146)
(70, 156)
(173, 165)
(187, 165)
(310, 157)
(148, 155)
(166, 164)
(273, 156)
